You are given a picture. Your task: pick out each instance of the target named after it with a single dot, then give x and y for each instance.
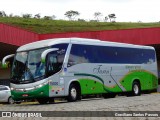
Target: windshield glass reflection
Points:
(28, 67)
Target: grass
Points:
(42, 26)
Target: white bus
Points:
(74, 67)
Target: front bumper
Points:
(41, 92)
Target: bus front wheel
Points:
(42, 100)
(73, 93)
(10, 100)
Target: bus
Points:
(76, 67)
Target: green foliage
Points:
(0, 64)
(27, 15)
(38, 16)
(47, 18)
(71, 14)
(43, 26)
(3, 14)
(112, 17)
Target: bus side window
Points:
(78, 55)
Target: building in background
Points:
(12, 37)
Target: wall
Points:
(141, 36)
(16, 36)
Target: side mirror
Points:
(44, 54)
(4, 63)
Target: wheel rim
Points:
(73, 93)
(11, 101)
(136, 89)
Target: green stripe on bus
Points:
(147, 80)
(90, 75)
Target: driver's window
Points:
(52, 60)
(53, 64)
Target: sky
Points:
(125, 10)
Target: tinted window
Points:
(106, 54)
(81, 54)
(55, 59)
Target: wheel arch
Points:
(136, 80)
(9, 98)
(73, 81)
(77, 84)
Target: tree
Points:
(47, 17)
(38, 16)
(81, 20)
(112, 17)
(106, 18)
(71, 14)
(3, 14)
(97, 15)
(11, 15)
(27, 15)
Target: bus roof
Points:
(50, 42)
(43, 43)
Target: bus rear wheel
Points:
(73, 93)
(136, 89)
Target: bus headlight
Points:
(12, 88)
(45, 83)
(38, 86)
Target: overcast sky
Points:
(125, 10)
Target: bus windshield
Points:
(27, 66)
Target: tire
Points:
(10, 100)
(136, 89)
(51, 100)
(18, 102)
(43, 100)
(73, 93)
